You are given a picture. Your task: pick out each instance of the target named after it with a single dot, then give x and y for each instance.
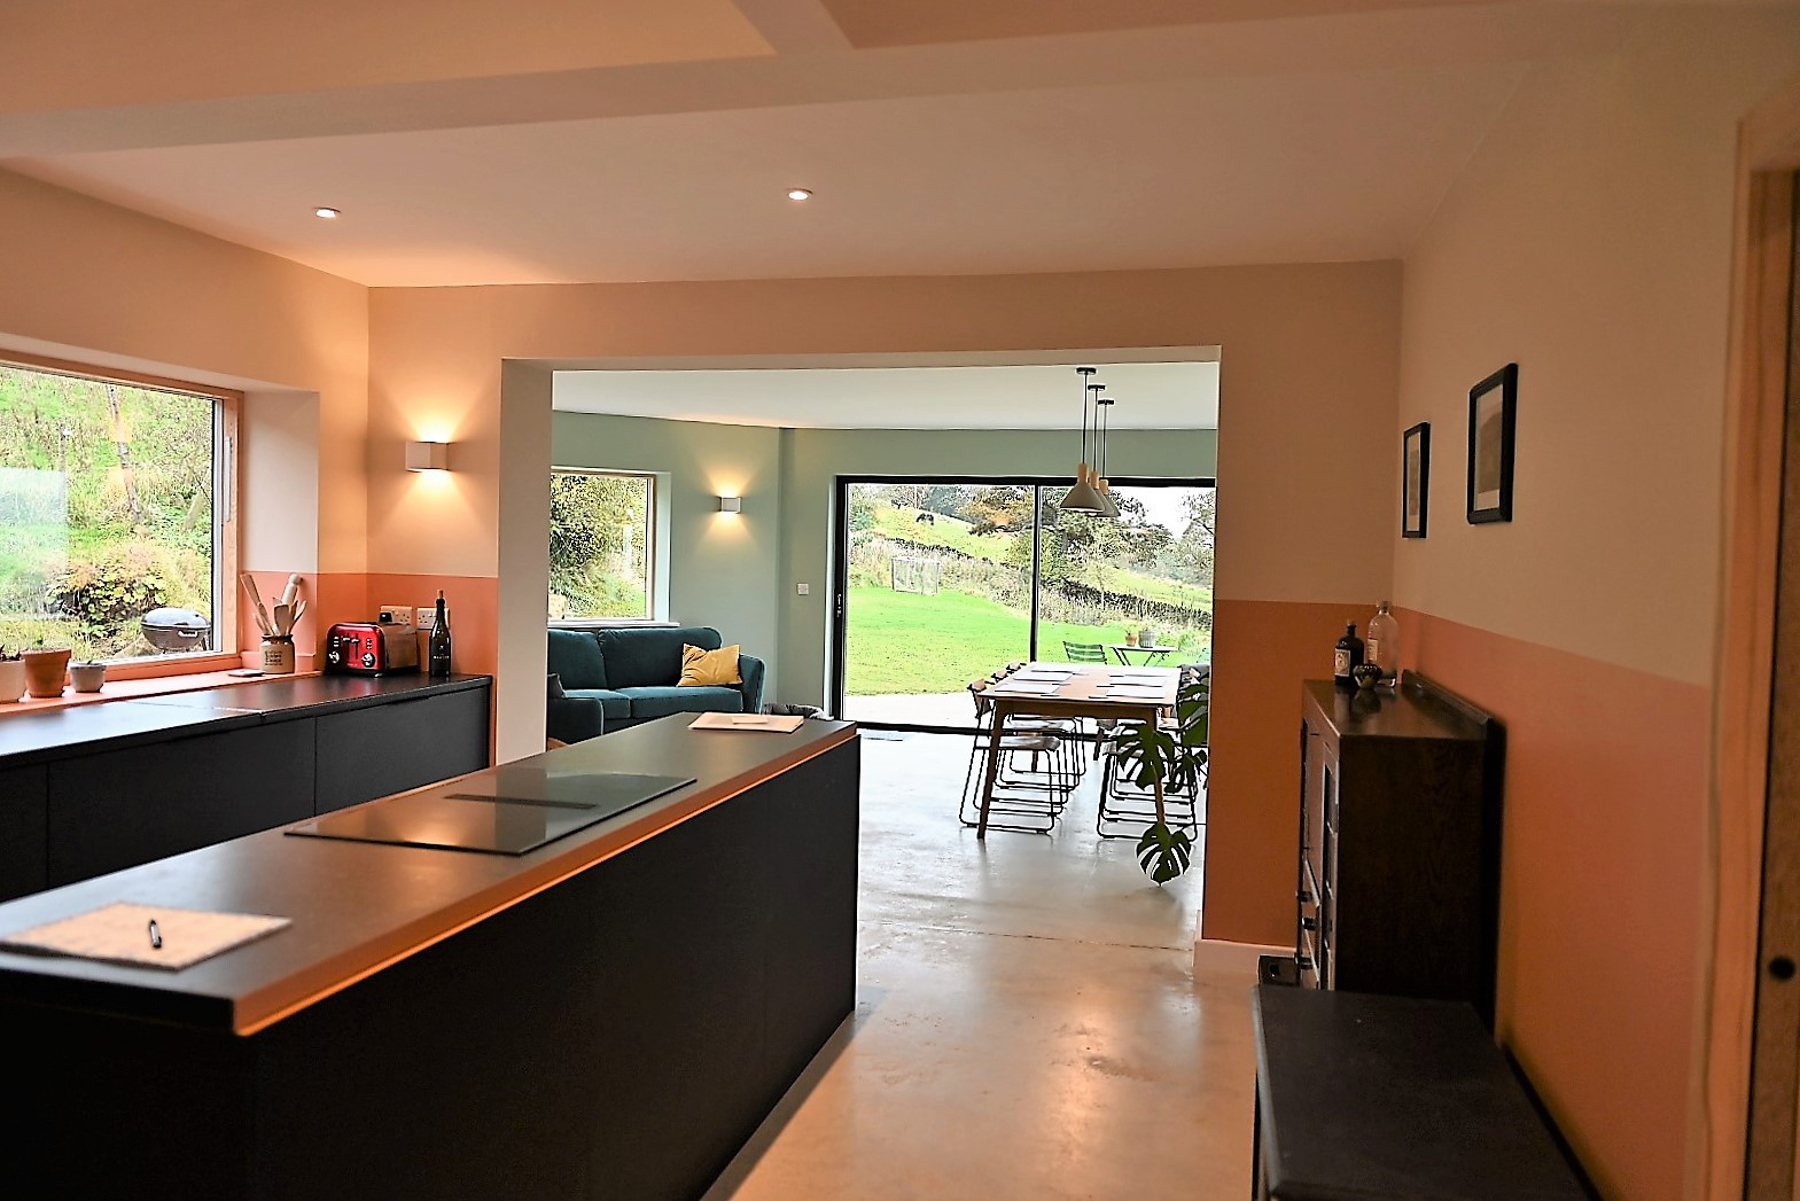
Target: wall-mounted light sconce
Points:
(428, 456)
(731, 504)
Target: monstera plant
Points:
(1149, 755)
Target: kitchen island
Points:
(610, 1014)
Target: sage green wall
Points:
(714, 569)
(739, 575)
(812, 459)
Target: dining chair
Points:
(1028, 797)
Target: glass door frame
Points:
(840, 564)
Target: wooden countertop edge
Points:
(259, 1010)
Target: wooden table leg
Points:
(1001, 710)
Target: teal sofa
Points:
(634, 673)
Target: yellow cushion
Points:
(705, 669)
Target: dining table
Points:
(1074, 690)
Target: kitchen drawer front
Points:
(121, 808)
(384, 749)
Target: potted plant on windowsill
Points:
(46, 669)
(12, 676)
(1150, 755)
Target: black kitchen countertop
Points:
(42, 735)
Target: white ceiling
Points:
(655, 139)
(1037, 396)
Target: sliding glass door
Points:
(942, 581)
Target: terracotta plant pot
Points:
(87, 677)
(45, 672)
(12, 680)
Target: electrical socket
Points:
(401, 615)
(428, 616)
(803, 589)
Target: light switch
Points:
(803, 589)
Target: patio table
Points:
(1152, 654)
(1081, 690)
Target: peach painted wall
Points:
(1589, 240)
(89, 281)
(1309, 373)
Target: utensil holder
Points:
(278, 655)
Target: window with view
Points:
(600, 544)
(112, 537)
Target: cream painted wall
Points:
(1309, 371)
(116, 287)
(719, 571)
(278, 481)
(814, 458)
(1589, 241)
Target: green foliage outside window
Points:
(106, 510)
(599, 545)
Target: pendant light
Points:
(1103, 427)
(1083, 498)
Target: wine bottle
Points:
(1384, 642)
(438, 649)
(1349, 655)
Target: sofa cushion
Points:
(615, 705)
(575, 656)
(662, 700)
(642, 657)
(699, 668)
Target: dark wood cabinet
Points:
(1398, 878)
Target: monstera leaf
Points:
(1149, 755)
(1164, 853)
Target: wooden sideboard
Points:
(1399, 858)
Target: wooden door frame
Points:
(1755, 435)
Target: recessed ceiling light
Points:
(328, 214)
(799, 194)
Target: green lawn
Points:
(955, 534)
(907, 643)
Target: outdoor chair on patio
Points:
(1084, 652)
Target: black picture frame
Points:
(1493, 416)
(1415, 480)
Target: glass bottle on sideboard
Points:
(1349, 656)
(1384, 641)
(438, 648)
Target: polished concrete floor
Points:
(1028, 1022)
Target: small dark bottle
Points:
(1349, 655)
(438, 648)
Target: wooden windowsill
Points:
(125, 690)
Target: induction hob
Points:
(516, 809)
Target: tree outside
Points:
(599, 544)
(106, 510)
(940, 580)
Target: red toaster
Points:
(369, 648)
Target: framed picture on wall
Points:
(1492, 414)
(1415, 480)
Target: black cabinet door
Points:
(23, 825)
(384, 749)
(122, 808)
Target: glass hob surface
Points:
(515, 810)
